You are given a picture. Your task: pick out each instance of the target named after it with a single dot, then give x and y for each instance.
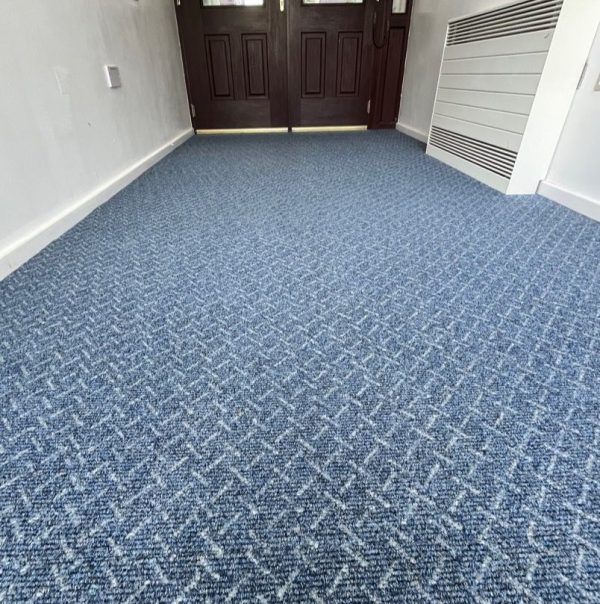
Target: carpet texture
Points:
(304, 368)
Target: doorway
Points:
(293, 64)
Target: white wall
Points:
(426, 41)
(574, 175)
(63, 153)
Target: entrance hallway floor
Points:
(297, 368)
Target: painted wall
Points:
(575, 168)
(64, 135)
(426, 40)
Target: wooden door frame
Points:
(381, 62)
(181, 29)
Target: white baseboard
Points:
(25, 248)
(410, 131)
(584, 205)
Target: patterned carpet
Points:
(298, 368)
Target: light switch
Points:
(113, 76)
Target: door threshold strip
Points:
(241, 130)
(329, 128)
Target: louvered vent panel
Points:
(491, 157)
(490, 74)
(520, 18)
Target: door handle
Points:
(380, 33)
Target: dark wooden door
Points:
(390, 39)
(293, 63)
(329, 68)
(235, 60)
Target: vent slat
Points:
(464, 137)
(514, 31)
(501, 35)
(528, 7)
(545, 13)
(541, 21)
(475, 149)
(474, 157)
(525, 17)
(480, 147)
(496, 159)
(477, 162)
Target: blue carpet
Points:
(304, 368)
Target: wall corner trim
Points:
(20, 251)
(413, 132)
(574, 201)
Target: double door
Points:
(289, 63)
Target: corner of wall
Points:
(17, 253)
(574, 201)
(411, 131)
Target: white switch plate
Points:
(113, 76)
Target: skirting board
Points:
(410, 131)
(584, 205)
(22, 250)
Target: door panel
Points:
(235, 61)
(313, 65)
(220, 69)
(329, 53)
(254, 49)
(348, 68)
